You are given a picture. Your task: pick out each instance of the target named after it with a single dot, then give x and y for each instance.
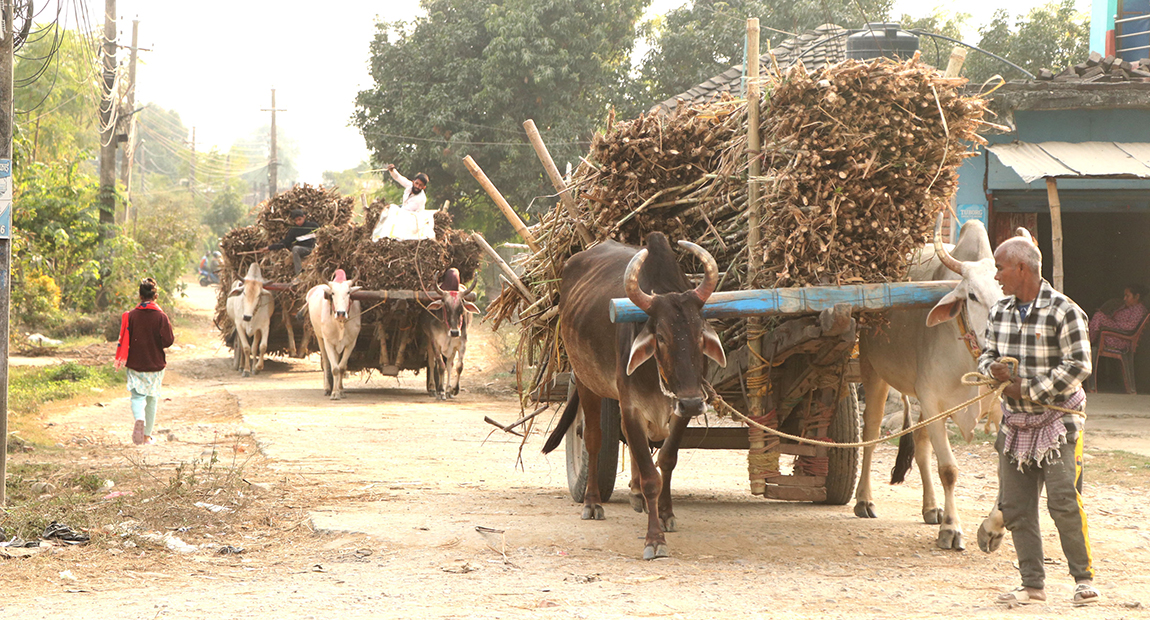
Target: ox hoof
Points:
(247, 374)
(865, 510)
(668, 523)
(335, 396)
(638, 503)
(593, 513)
(650, 552)
(932, 516)
(989, 539)
(951, 539)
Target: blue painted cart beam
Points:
(805, 300)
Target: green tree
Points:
(227, 210)
(462, 80)
(1052, 36)
(702, 39)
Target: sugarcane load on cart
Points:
(810, 235)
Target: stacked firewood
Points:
(857, 161)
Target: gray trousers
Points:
(1019, 493)
(298, 253)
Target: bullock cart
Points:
(810, 387)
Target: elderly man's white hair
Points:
(1024, 251)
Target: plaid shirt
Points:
(1052, 347)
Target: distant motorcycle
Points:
(208, 278)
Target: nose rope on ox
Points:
(970, 378)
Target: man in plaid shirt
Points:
(1047, 333)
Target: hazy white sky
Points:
(216, 61)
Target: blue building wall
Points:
(1060, 126)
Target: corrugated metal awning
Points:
(1035, 160)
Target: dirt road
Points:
(402, 482)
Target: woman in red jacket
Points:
(145, 332)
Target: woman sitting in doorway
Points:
(1123, 315)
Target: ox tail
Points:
(569, 413)
(905, 457)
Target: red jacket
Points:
(150, 332)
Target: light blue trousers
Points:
(144, 408)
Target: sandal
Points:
(1085, 594)
(138, 432)
(1021, 596)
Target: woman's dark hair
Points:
(147, 289)
(297, 213)
(1137, 289)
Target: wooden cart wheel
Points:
(577, 457)
(842, 465)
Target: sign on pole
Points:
(5, 198)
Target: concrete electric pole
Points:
(108, 119)
(130, 110)
(273, 159)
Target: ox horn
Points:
(471, 287)
(631, 282)
(710, 270)
(1021, 231)
(951, 262)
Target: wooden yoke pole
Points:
(1055, 231)
(501, 202)
(757, 375)
(565, 196)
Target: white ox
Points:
(250, 308)
(335, 319)
(924, 354)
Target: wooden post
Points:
(957, 58)
(758, 388)
(501, 202)
(504, 267)
(565, 196)
(1055, 231)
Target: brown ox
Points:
(445, 324)
(657, 399)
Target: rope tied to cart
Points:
(970, 378)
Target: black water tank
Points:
(881, 40)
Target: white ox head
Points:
(977, 291)
(338, 291)
(452, 302)
(251, 288)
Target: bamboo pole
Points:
(565, 196)
(755, 380)
(501, 202)
(953, 69)
(1055, 231)
(504, 267)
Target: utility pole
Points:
(108, 122)
(129, 108)
(192, 176)
(273, 160)
(5, 229)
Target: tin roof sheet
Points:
(1035, 160)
